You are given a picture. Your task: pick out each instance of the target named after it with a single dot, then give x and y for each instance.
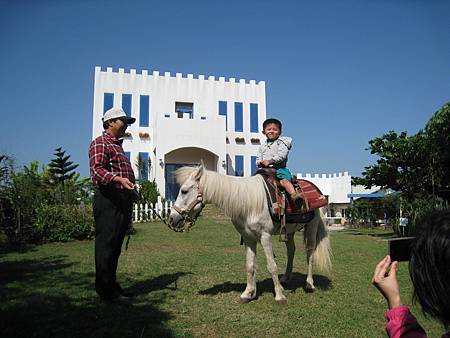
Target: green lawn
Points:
(188, 285)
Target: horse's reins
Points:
(184, 213)
(141, 197)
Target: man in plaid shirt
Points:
(114, 183)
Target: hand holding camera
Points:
(386, 281)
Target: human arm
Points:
(99, 161)
(401, 323)
(386, 282)
(259, 161)
(124, 181)
(283, 147)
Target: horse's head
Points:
(189, 202)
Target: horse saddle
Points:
(280, 205)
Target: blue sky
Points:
(337, 73)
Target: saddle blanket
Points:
(280, 205)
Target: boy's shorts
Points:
(284, 173)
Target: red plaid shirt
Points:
(107, 160)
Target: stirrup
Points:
(283, 234)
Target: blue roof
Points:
(366, 195)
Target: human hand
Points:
(263, 164)
(386, 282)
(125, 182)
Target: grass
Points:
(188, 285)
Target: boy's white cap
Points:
(117, 113)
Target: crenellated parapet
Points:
(189, 76)
(334, 175)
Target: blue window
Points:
(253, 117)
(182, 108)
(223, 112)
(239, 165)
(108, 101)
(126, 103)
(253, 164)
(144, 114)
(143, 165)
(238, 117)
(128, 154)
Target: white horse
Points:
(244, 200)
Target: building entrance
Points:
(172, 187)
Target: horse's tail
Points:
(322, 252)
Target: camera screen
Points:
(400, 248)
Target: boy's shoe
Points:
(297, 199)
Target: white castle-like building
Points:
(183, 119)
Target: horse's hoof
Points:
(281, 301)
(244, 300)
(310, 288)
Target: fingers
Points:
(380, 270)
(394, 268)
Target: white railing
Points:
(143, 212)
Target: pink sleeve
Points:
(401, 323)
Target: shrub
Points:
(149, 191)
(62, 223)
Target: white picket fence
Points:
(144, 213)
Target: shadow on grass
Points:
(47, 298)
(6, 248)
(373, 233)
(162, 282)
(297, 281)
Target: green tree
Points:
(61, 167)
(26, 192)
(6, 169)
(143, 168)
(415, 165)
(437, 131)
(149, 191)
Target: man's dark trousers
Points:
(112, 214)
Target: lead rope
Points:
(141, 197)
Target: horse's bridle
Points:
(188, 220)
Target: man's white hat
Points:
(117, 113)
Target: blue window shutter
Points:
(144, 114)
(126, 103)
(108, 101)
(254, 117)
(239, 165)
(223, 112)
(238, 117)
(253, 164)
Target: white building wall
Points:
(335, 186)
(167, 131)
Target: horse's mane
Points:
(238, 197)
